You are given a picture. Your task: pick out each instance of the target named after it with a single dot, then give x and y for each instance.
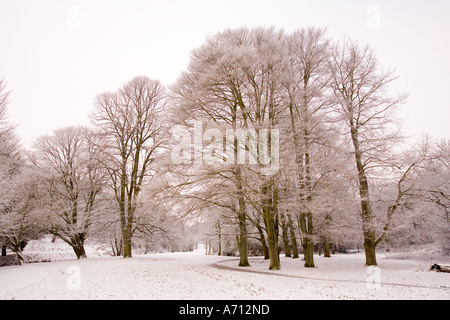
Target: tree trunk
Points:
(219, 234)
(117, 247)
(369, 248)
(16, 248)
(273, 247)
(366, 205)
(307, 241)
(270, 223)
(243, 253)
(284, 228)
(293, 239)
(309, 232)
(127, 242)
(326, 247)
(242, 240)
(77, 243)
(80, 252)
(262, 239)
(113, 249)
(3, 251)
(20, 258)
(287, 248)
(127, 248)
(242, 218)
(308, 251)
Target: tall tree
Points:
(366, 111)
(210, 91)
(14, 226)
(232, 83)
(306, 82)
(130, 124)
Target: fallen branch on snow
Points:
(440, 268)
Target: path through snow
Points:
(194, 276)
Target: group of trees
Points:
(79, 182)
(339, 151)
(282, 141)
(17, 187)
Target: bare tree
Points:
(5, 149)
(129, 122)
(209, 90)
(424, 193)
(72, 179)
(306, 84)
(366, 111)
(20, 218)
(10, 171)
(9, 142)
(233, 83)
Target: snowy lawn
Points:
(195, 276)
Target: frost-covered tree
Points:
(18, 186)
(366, 111)
(130, 123)
(233, 83)
(305, 81)
(72, 179)
(21, 220)
(9, 142)
(425, 203)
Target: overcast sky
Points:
(57, 55)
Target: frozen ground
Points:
(193, 276)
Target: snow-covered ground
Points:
(194, 276)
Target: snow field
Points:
(346, 277)
(195, 276)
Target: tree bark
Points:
(15, 246)
(262, 239)
(271, 228)
(242, 239)
(308, 243)
(285, 235)
(219, 235)
(126, 234)
(326, 247)
(287, 249)
(308, 251)
(366, 205)
(20, 258)
(77, 243)
(80, 252)
(293, 239)
(117, 247)
(369, 248)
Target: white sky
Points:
(57, 55)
